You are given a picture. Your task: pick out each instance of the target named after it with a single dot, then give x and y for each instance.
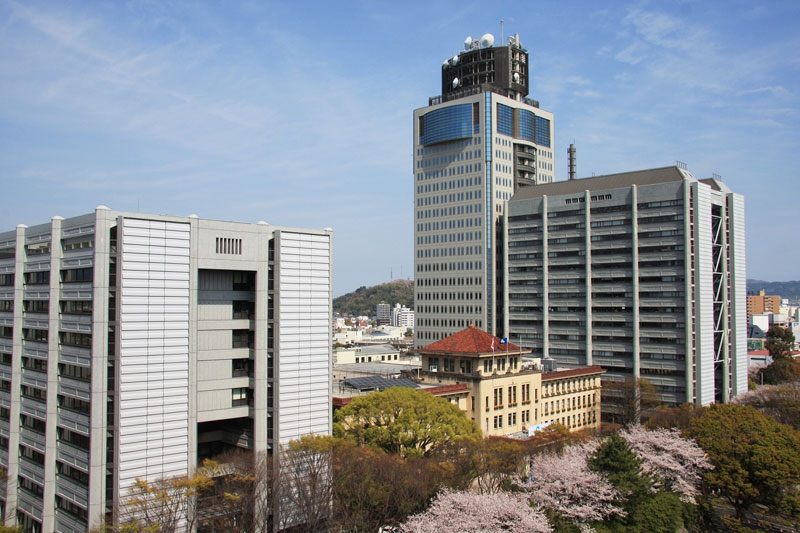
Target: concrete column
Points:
(688, 306)
(48, 509)
(99, 383)
(545, 283)
(587, 202)
(16, 379)
(635, 277)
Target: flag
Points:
(504, 340)
(492, 343)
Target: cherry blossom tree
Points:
(473, 513)
(677, 461)
(564, 483)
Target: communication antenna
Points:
(502, 31)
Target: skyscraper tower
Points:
(474, 146)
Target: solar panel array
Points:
(379, 383)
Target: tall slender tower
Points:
(474, 146)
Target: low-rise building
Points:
(506, 396)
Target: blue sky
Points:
(300, 114)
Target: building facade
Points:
(402, 316)
(642, 273)
(383, 314)
(505, 394)
(762, 303)
(134, 345)
(474, 146)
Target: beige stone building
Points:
(507, 396)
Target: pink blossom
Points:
(679, 462)
(473, 513)
(563, 482)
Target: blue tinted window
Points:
(504, 120)
(543, 131)
(527, 125)
(447, 124)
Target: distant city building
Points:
(474, 146)
(383, 313)
(133, 346)
(761, 303)
(506, 395)
(402, 316)
(642, 273)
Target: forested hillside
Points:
(364, 299)
(784, 289)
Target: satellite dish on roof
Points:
(446, 63)
(467, 43)
(455, 60)
(455, 83)
(487, 41)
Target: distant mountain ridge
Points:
(363, 301)
(784, 289)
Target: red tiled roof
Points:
(470, 341)
(561, 374)
(340, 402)
(766, 352)
(447, 389)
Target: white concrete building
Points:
(132, 346)
(402, 316)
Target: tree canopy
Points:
(403, 421)
(780, 342)
(756, 459)
(781, 370)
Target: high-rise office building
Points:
(133, 346)
(383, 314)
(642, 273)
(474, 146)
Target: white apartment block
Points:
(402, 316)
(474, 146)
(642, 273)
(133, 346)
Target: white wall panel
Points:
(303, 285)
(704, 296)
(154, 351)
(738, 340)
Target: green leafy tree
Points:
(403, 421)
(615, 458)
(781, 370)
(756, 459)
(780, 342)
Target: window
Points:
(242, 338)
(244, 281)
(70, 338)
(76, 372)
(77, 275)
(75, 308)
(37, 278)
(239, 397)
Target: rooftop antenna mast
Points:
(502, 31)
